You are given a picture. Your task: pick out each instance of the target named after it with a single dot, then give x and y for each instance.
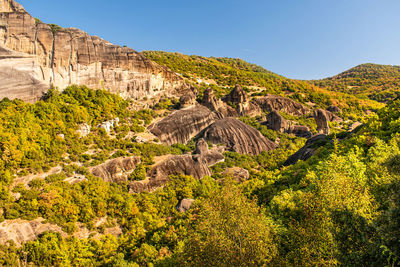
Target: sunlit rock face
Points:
(34, 56)
(238, 137)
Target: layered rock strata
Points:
(35, 56)
(116, 170)
(238, 137)
(182, 125)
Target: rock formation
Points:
(116, 170)
(22, 231)
(237, 136)
(109, 125)
(282, 104)
(182, 125)
(334, 109)
(238, 174)
(83, 130)
(34, 56)
(210, 101)
(322, 118)
(308, 150)
(187, 100)
(239, 99)
(277, 123)
(196, 165)
(184, 205)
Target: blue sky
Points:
(302, 39)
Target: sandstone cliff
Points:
(34, 56)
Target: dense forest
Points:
(341, 207)
(377, 82)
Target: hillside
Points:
(377, 82)
(223, 73)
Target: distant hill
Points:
(223, 73)
(377, 82)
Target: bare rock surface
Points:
(196, 165)
(322, 118)
(22, 231)
(239, 98)
(184, 205)
(238, 174)
(277, 123)
(308, 150)
(83, 129)
(116, 170)
(217, 105)
(35, 55)
(182, 125)
(237, 136)
(282, 104)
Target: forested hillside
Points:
(339, 207)
(377, 82)
(223, 73)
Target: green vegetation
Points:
(377, 82)
(341, 207)
(222, 74)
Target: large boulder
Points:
(238, 174)
(184, 205)
(238, 136)
(196, 165)
(182, 125)
(321, 119)
(269, 103)
(277, 123)
(308, 150)
(116, 170)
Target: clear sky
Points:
(302, 39)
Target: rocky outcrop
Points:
(22, 231)
(34, 56)
(239, 99)
(238, 174)
(184, 205)
(187, 100)
(196, 165)
(277, 123)
(109, 125)
(83, 129)
(332, 117)
(334, 109)
(182, 125)
(116, 170)
(308, 150)
(322, 118)
(220, 108)
(237, 136)
(282, 104)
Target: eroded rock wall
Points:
(36, 56)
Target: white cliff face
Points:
(42, 56)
